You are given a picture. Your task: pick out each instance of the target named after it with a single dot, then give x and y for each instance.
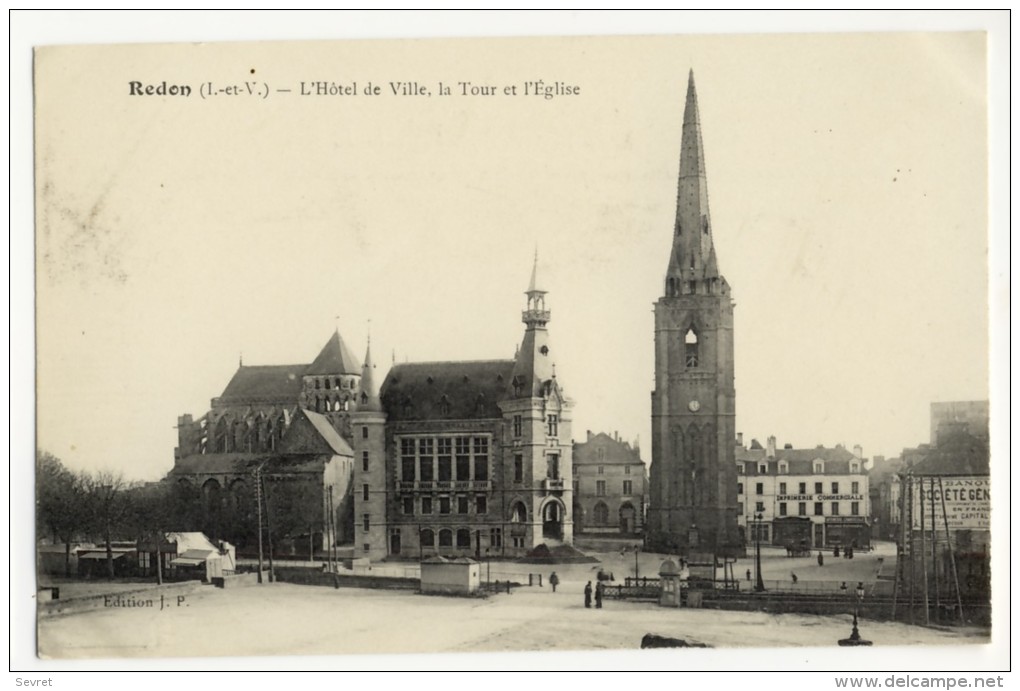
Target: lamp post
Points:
(855, 635)
(488, 581)
(637, 551)
(759, 584)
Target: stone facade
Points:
(692, 502)
(293, 423)
(813, 498)
(610, 486)
(466, 458)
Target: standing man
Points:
(554, 580)
(587, 595)
(821, 559)
(598, 595)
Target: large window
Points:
(818, 488)
(462, 504)
(601, 514)
(426, 449)
(553, 466)
(426, 504)
(835, 508)
(444, 448)
(446, 538)
(552, 426)
(364, 461)
(802, 488)
(759, 488)
(855, 508)
(802, 508)
(407, 460)
(740, 488)
(365, 521)
(496, 537)
(782, 508)
(518, 426)
(855, 488)
(444, 505)
(782, 488)
(481, 504)
(408, 505)
(818, 508)
(428, 538)
(463, 445)
(463, 537)
(481, 447)
(835, 488)
(518, 468)
(628, 487)
(364, 492)
(600, 488)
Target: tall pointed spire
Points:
(693, 255)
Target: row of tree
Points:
(103, 507)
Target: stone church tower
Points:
(693, 482)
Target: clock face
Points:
(694, 406)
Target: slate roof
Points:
(837, 460)
(276, 383)
(960, 454)
(243, 463)
(471, 389)
(617, 452)
(328, 433)
(335, 358)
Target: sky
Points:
(847, 185)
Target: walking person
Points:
(794, 577)
(749, 574)
(821, 559)
(587, 595)
(554, 580)
(599, 588)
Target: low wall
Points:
(301, 576)
(128, 599)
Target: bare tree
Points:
(60, 503)
(108, 507)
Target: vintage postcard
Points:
(478, 345)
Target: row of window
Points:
(436, 458)
(817, 467)
(600, 488)
(334, 383)
(819, 508)
(443, 505)
(552, 425)
(759, 488)
(602, 468)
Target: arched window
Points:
(601, 514)
(463, 537)
(221, 439)
(691, 347)
(446, 538)
(428, 538)
(519, 513)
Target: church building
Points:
(693, 483)
(465, 458)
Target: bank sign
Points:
(967, 502)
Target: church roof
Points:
(446, 390)
(264, 383)
(328, 433)
(244, 463)
(617, 452)
(335, 358)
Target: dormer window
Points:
(762, 469)
(691, 348)
(444, 406)
(819, 467)
(854, 468)
(518, 385)
(784, 467)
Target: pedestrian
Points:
(842, 587)
(554, 580)
(599, 588)
(835, 551)
(794, 577)
(749, 574)
(508, 587)
(587, 595)
(821, 559)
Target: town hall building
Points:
(467, 458)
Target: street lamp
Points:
(855, 635)
(759, 584)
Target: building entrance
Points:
(552, 521)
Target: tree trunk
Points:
(67, 558)
(159, 561)
(109, 554)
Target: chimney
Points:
(616, 435)
(858, 451)
(740, 438)
(590, 435)
(771, 446)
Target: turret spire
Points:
(692, 261)
(369, 399)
